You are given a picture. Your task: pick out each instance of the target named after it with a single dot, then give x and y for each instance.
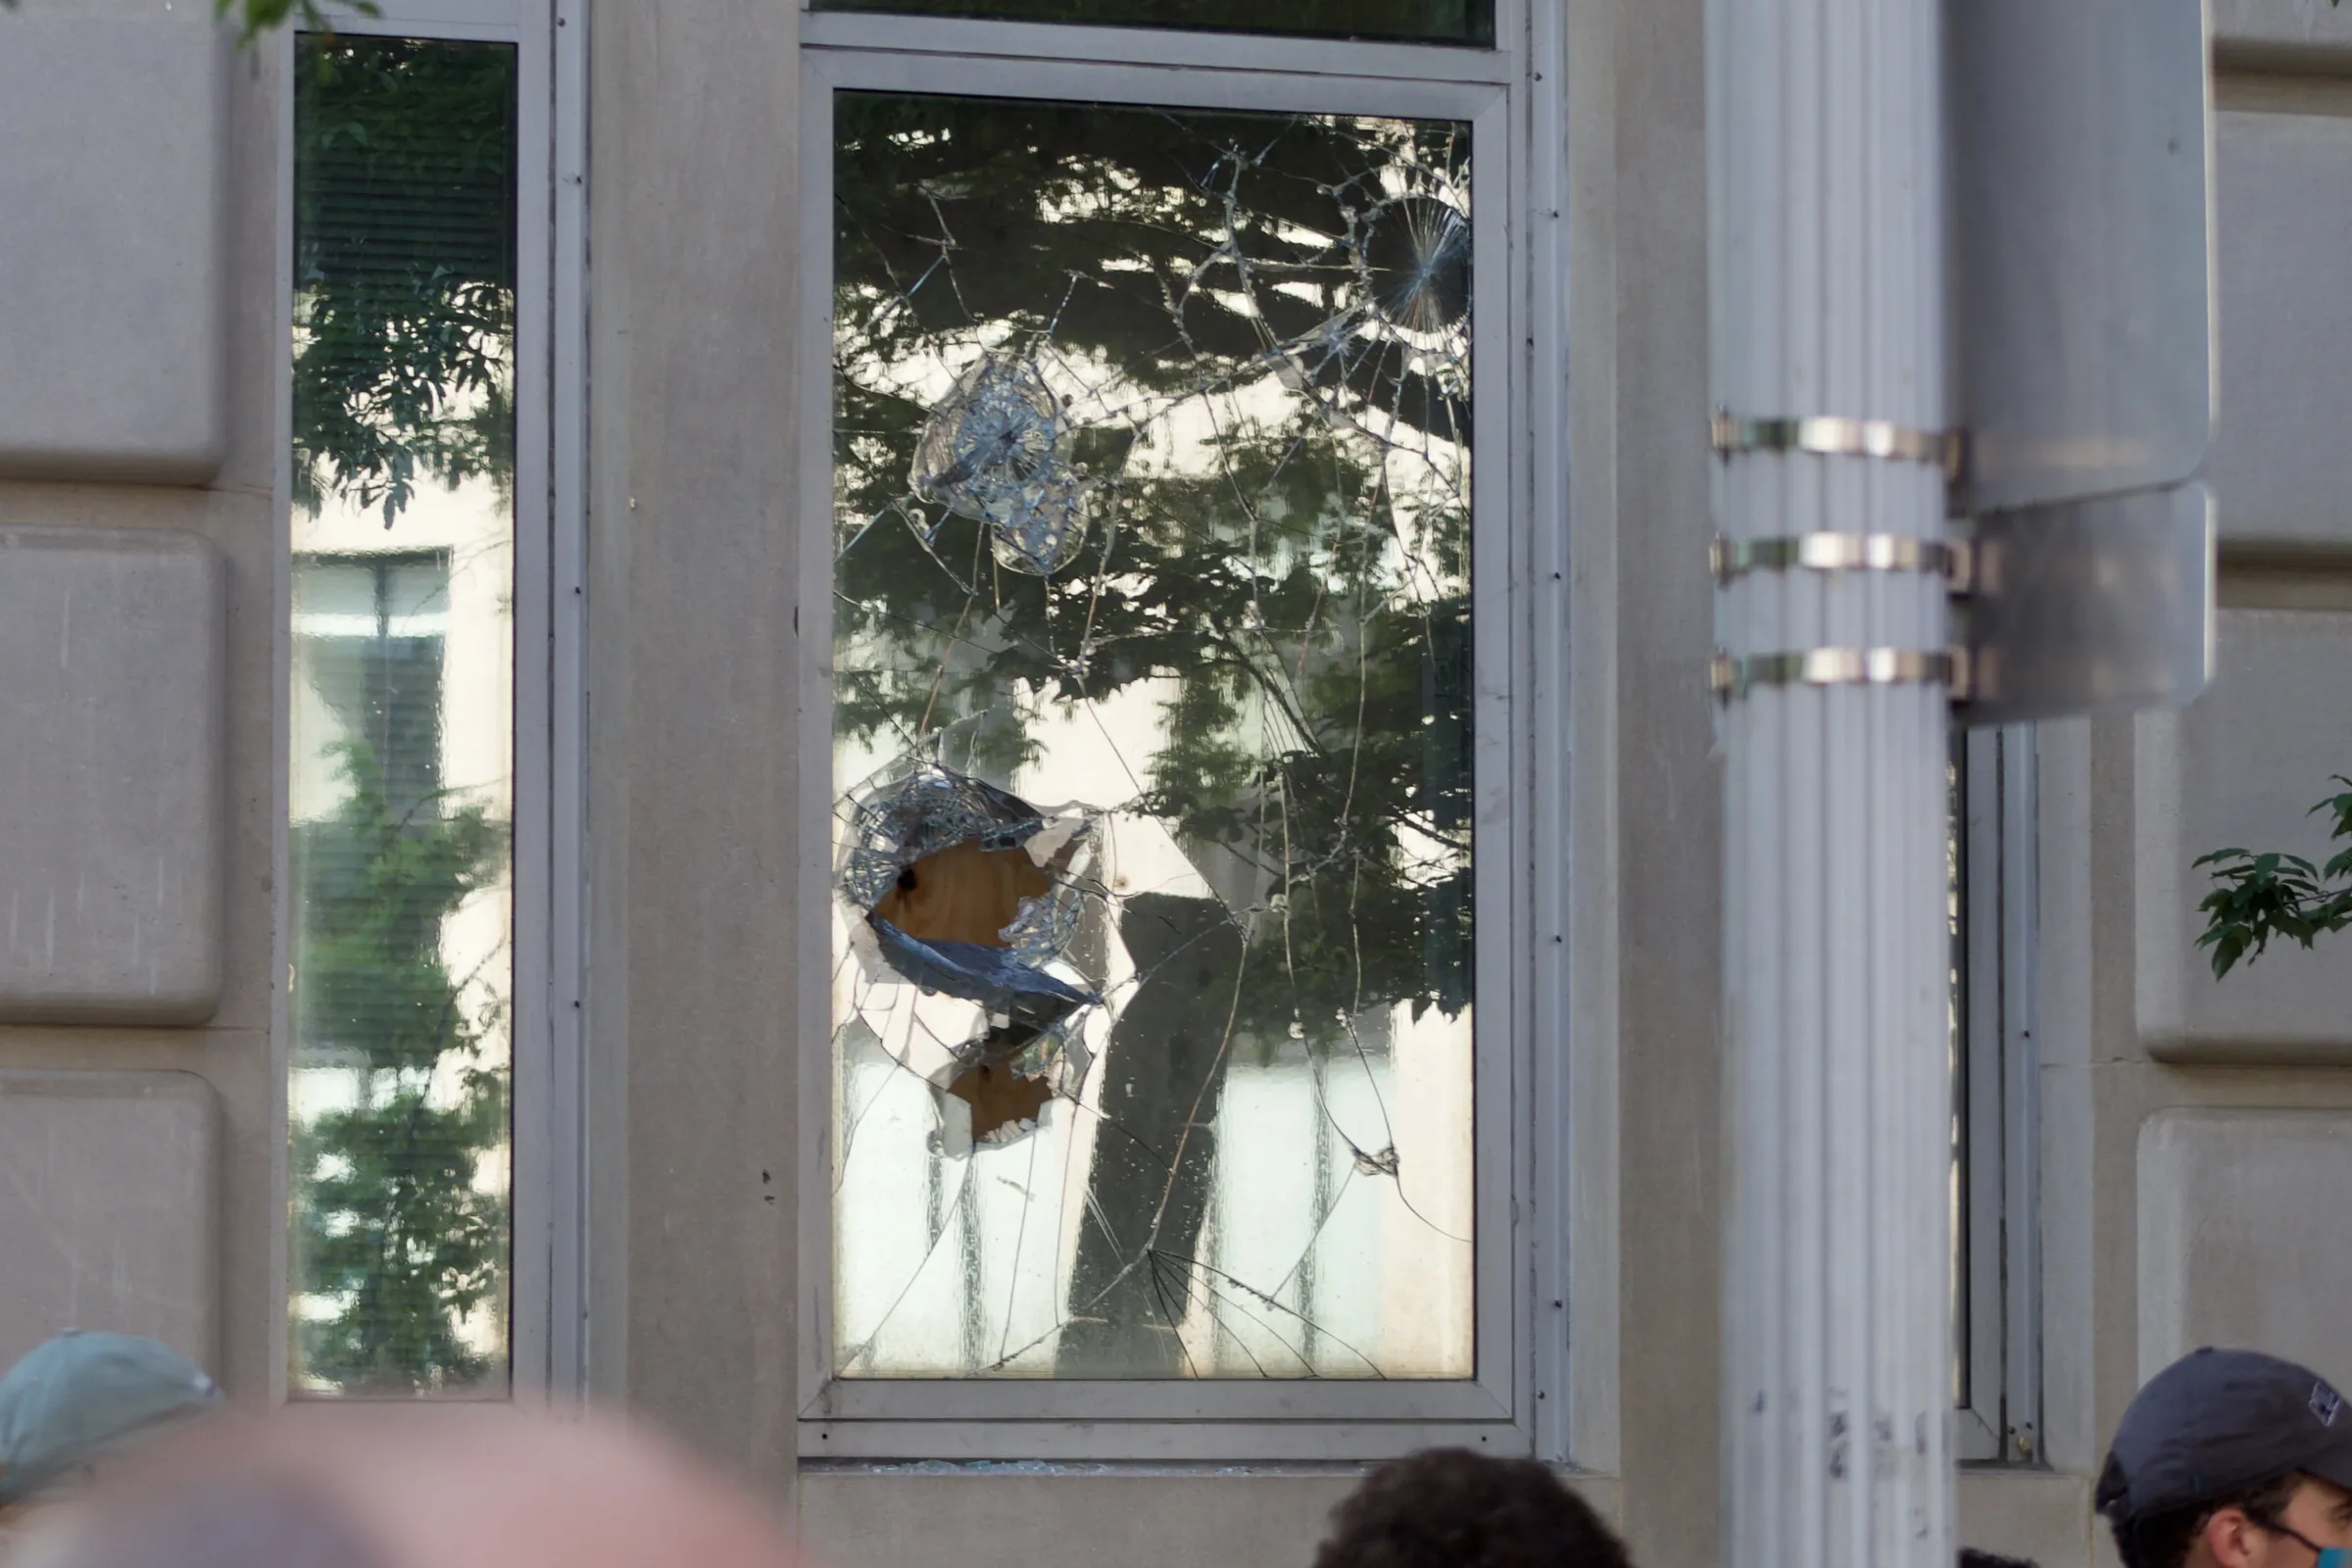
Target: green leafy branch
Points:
(2274, 893)
(257, 17)
(403, 367)
(394, 1226)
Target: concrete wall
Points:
(137, 551)
(2190, 1187)
(692, 721)
(121, 282)
(1648, 831)
(2154, 1077)
(691, 805)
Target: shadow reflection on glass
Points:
(1153, 476)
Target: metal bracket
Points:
(1825, 435)
(1735, 675)
(1951, 559)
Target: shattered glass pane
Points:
(1153, 835)
(1458, 22)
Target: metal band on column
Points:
(1732, 675)
(1951, 559)
(1829, 435)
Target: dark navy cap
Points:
(2216, 1422)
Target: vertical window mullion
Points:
(1978, 1285)
(2021, 1122)
(1995, 1252)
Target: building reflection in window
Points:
(401, 731)
(1153, 991)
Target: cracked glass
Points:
(1153, 827)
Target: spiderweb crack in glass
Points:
(991, 450)
(1153, 478)
(1416, 258)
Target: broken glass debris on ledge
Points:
(1153, 995)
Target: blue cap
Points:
(75, 1395)
(2218, 1422)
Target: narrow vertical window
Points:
(1955, 908)
(1152, 902)
(401, 794)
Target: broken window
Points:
(1154, 831)
(1459, 21)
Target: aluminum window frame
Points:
(1114, 42)
(1997, 1417)
(1185, 1421)
(546, 1351)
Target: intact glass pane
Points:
(1151, 913)
(401, 795)
(1458, 22)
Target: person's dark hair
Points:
(1452, 1509)
(1971, 1558)
(2162, 1539)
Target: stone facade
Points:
(2190, 1129)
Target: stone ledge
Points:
(2309, 36)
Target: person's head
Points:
(78, 1397)
(1971, 1558)
(2231, 1459)
(411, 1486)
(1451, 1508)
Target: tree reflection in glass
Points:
(399, 791)
(1153, 670)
